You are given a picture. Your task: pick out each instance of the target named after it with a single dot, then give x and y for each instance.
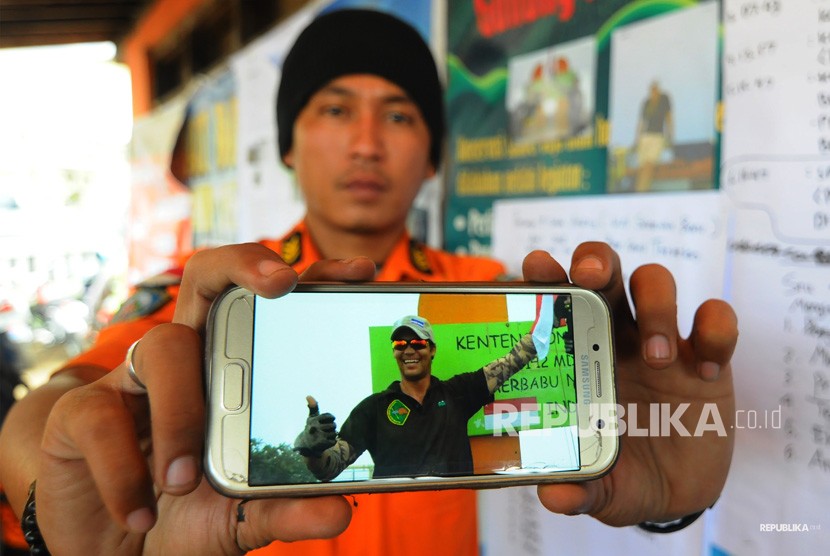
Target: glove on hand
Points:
(320, 432)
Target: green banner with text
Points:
(539, 394)
(577, 97)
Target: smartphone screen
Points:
(338, 348)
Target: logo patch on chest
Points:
(397, 412)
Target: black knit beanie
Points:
(345, 42)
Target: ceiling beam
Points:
(39, 22)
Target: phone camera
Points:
(596, 347)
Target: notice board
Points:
(759, 237)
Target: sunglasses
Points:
(416, 344)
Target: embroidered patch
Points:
(397, 412)
(418, 257)
(145, 301)
(292, 248)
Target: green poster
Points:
(538, 395)
(577, 97)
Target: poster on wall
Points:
(160, 206)
(210, 161)
(551, 99)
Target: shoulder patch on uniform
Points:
(292, 248)
(170, 277)
(418, 257)
(397, 412)
(145, 301)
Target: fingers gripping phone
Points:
(393, 387)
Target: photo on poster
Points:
(351, 365)
(550, 92)
(663, 113)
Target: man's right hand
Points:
(320, 432)
(119, 466)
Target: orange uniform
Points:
(407, 523)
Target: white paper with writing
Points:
(684, 232)
(776, 175)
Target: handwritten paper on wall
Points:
(776, 176)
(683, 231)
(763, 242)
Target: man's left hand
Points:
(657, 478)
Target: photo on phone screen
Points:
(350, 354)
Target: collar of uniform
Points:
(296, 247)
(408, 262)
(395, 388)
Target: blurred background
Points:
(94, 101)
(64, 187)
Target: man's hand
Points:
(320, 432)
(120, 466)
(657, 478)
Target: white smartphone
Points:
(393, 387)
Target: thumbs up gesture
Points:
(320, 432)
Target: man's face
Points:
(414, 362)
(360, 153)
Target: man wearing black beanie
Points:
(347, 42)
(109, 451)
(360, 120)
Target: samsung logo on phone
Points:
(585, 372)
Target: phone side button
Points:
(232, 390)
